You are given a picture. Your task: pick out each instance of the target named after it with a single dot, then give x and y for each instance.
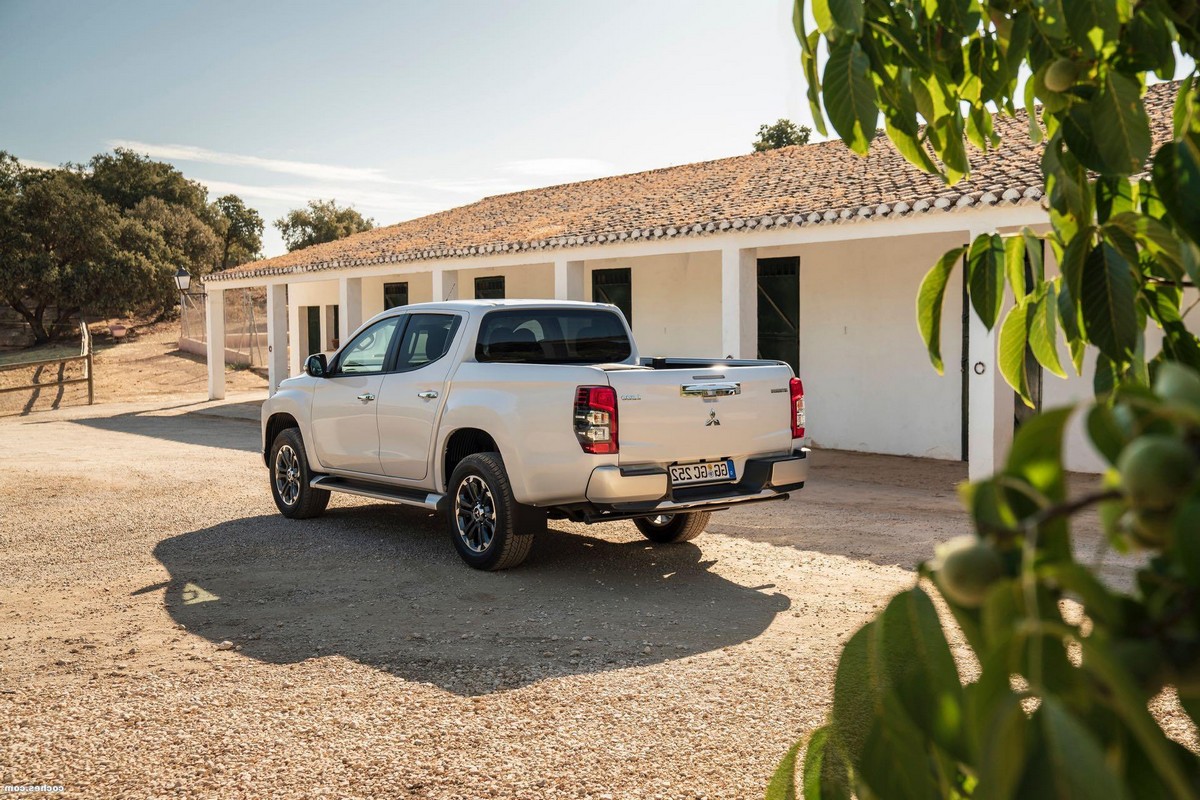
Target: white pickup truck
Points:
(501, 414)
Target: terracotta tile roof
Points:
(815, 184)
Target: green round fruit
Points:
(967, 567)
(1156, 471)
(1061, 75)
(1178, 385)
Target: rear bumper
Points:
(636, 491)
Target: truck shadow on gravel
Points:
(382, 585)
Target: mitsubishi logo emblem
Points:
(712, 419)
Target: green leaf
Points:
(1130, 704)
(1173, 254)
(1014, 266)
(1183, 115)
(1092, 23)
(920, 668)
(1036, 454)
(1014, 339)
(1035, 253)
(985, 277)
(1050, 19)
(826, 776)
(1177, 180)
(1105, 433)
(1114, 195)
(853, 695)
(1119, 121)
(1043, 330)
(1076, 767)
(1031, 112)
(783, 782)
(1004, 744)
(808, 63)
(929, 304)
(850, 95)
(1100, 604)
(836, 17)
(883, 746)
(1107, 297)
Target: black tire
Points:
(668, 528)
(489, 528)
(290, 475)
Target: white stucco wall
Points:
(867, 378)
(420, 290)
(676, 302)
(529, 281)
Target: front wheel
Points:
(489, 528)
(667, 528)
(290, 476)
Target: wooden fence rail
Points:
(85, 355)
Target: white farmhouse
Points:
(808, 254)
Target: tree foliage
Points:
(125, 178)
(240, 229)
(1060, 705)
(319, 222)
(784, 133)
(108, 238)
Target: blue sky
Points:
(400, 108)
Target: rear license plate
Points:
(711, 471)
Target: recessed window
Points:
(395, 295)
(614, 286)
(489, 288)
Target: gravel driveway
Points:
(164, 632)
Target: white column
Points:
(990, 407)
(568, 280)
(350, 301)
(739, 302)
(299, 339)
(445, 284)
(214, 323)
(277, 335)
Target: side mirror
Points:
(316, 365)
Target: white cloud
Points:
(303, 169)
(394, 205)
(559, 167)
(29, 163)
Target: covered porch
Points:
(834, 300)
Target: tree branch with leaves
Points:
(1061, 705)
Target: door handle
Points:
(366, 398)
(710, 389)
(427, 395)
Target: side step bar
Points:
(378, 491)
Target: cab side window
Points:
(367, 353)
(426, 339)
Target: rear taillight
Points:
(797, 391)
(596, 419)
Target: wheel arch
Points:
(461, 443)
(277, 422)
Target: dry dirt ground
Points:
(146, 364)
(368, 661)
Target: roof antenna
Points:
(453, 288)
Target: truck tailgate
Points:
(668, 416)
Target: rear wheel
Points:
(290, 476)
(489, 528)
(667, 528)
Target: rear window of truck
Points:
(552, 336)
